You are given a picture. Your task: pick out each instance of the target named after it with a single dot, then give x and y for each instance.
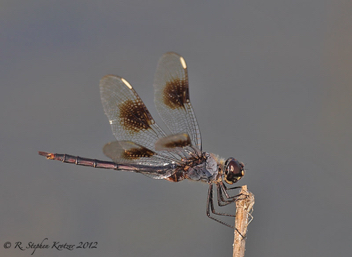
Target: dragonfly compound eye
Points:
(234, 171)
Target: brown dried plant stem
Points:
(244, 207)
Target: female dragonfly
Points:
(143, 147)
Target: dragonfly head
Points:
(233, 170)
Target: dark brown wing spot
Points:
(136, 153)
(176, 93)
(172, 141)
(178, 143)
(134, 116)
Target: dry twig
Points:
(244, 207)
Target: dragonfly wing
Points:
(128, 116)
(137, 158)
(172, 97)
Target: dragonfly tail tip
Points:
(46, 154)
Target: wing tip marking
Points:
(126, 83)
(183, 63)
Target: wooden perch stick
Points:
(244, 207)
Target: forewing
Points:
(128, 116)
(137, 158)
(172, 97)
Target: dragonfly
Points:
(143, 147)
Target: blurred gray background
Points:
(270, 82)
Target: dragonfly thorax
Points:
(207, 171)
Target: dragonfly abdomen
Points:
(80, 160)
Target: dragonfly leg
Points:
(222, 191)
(211, 210)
